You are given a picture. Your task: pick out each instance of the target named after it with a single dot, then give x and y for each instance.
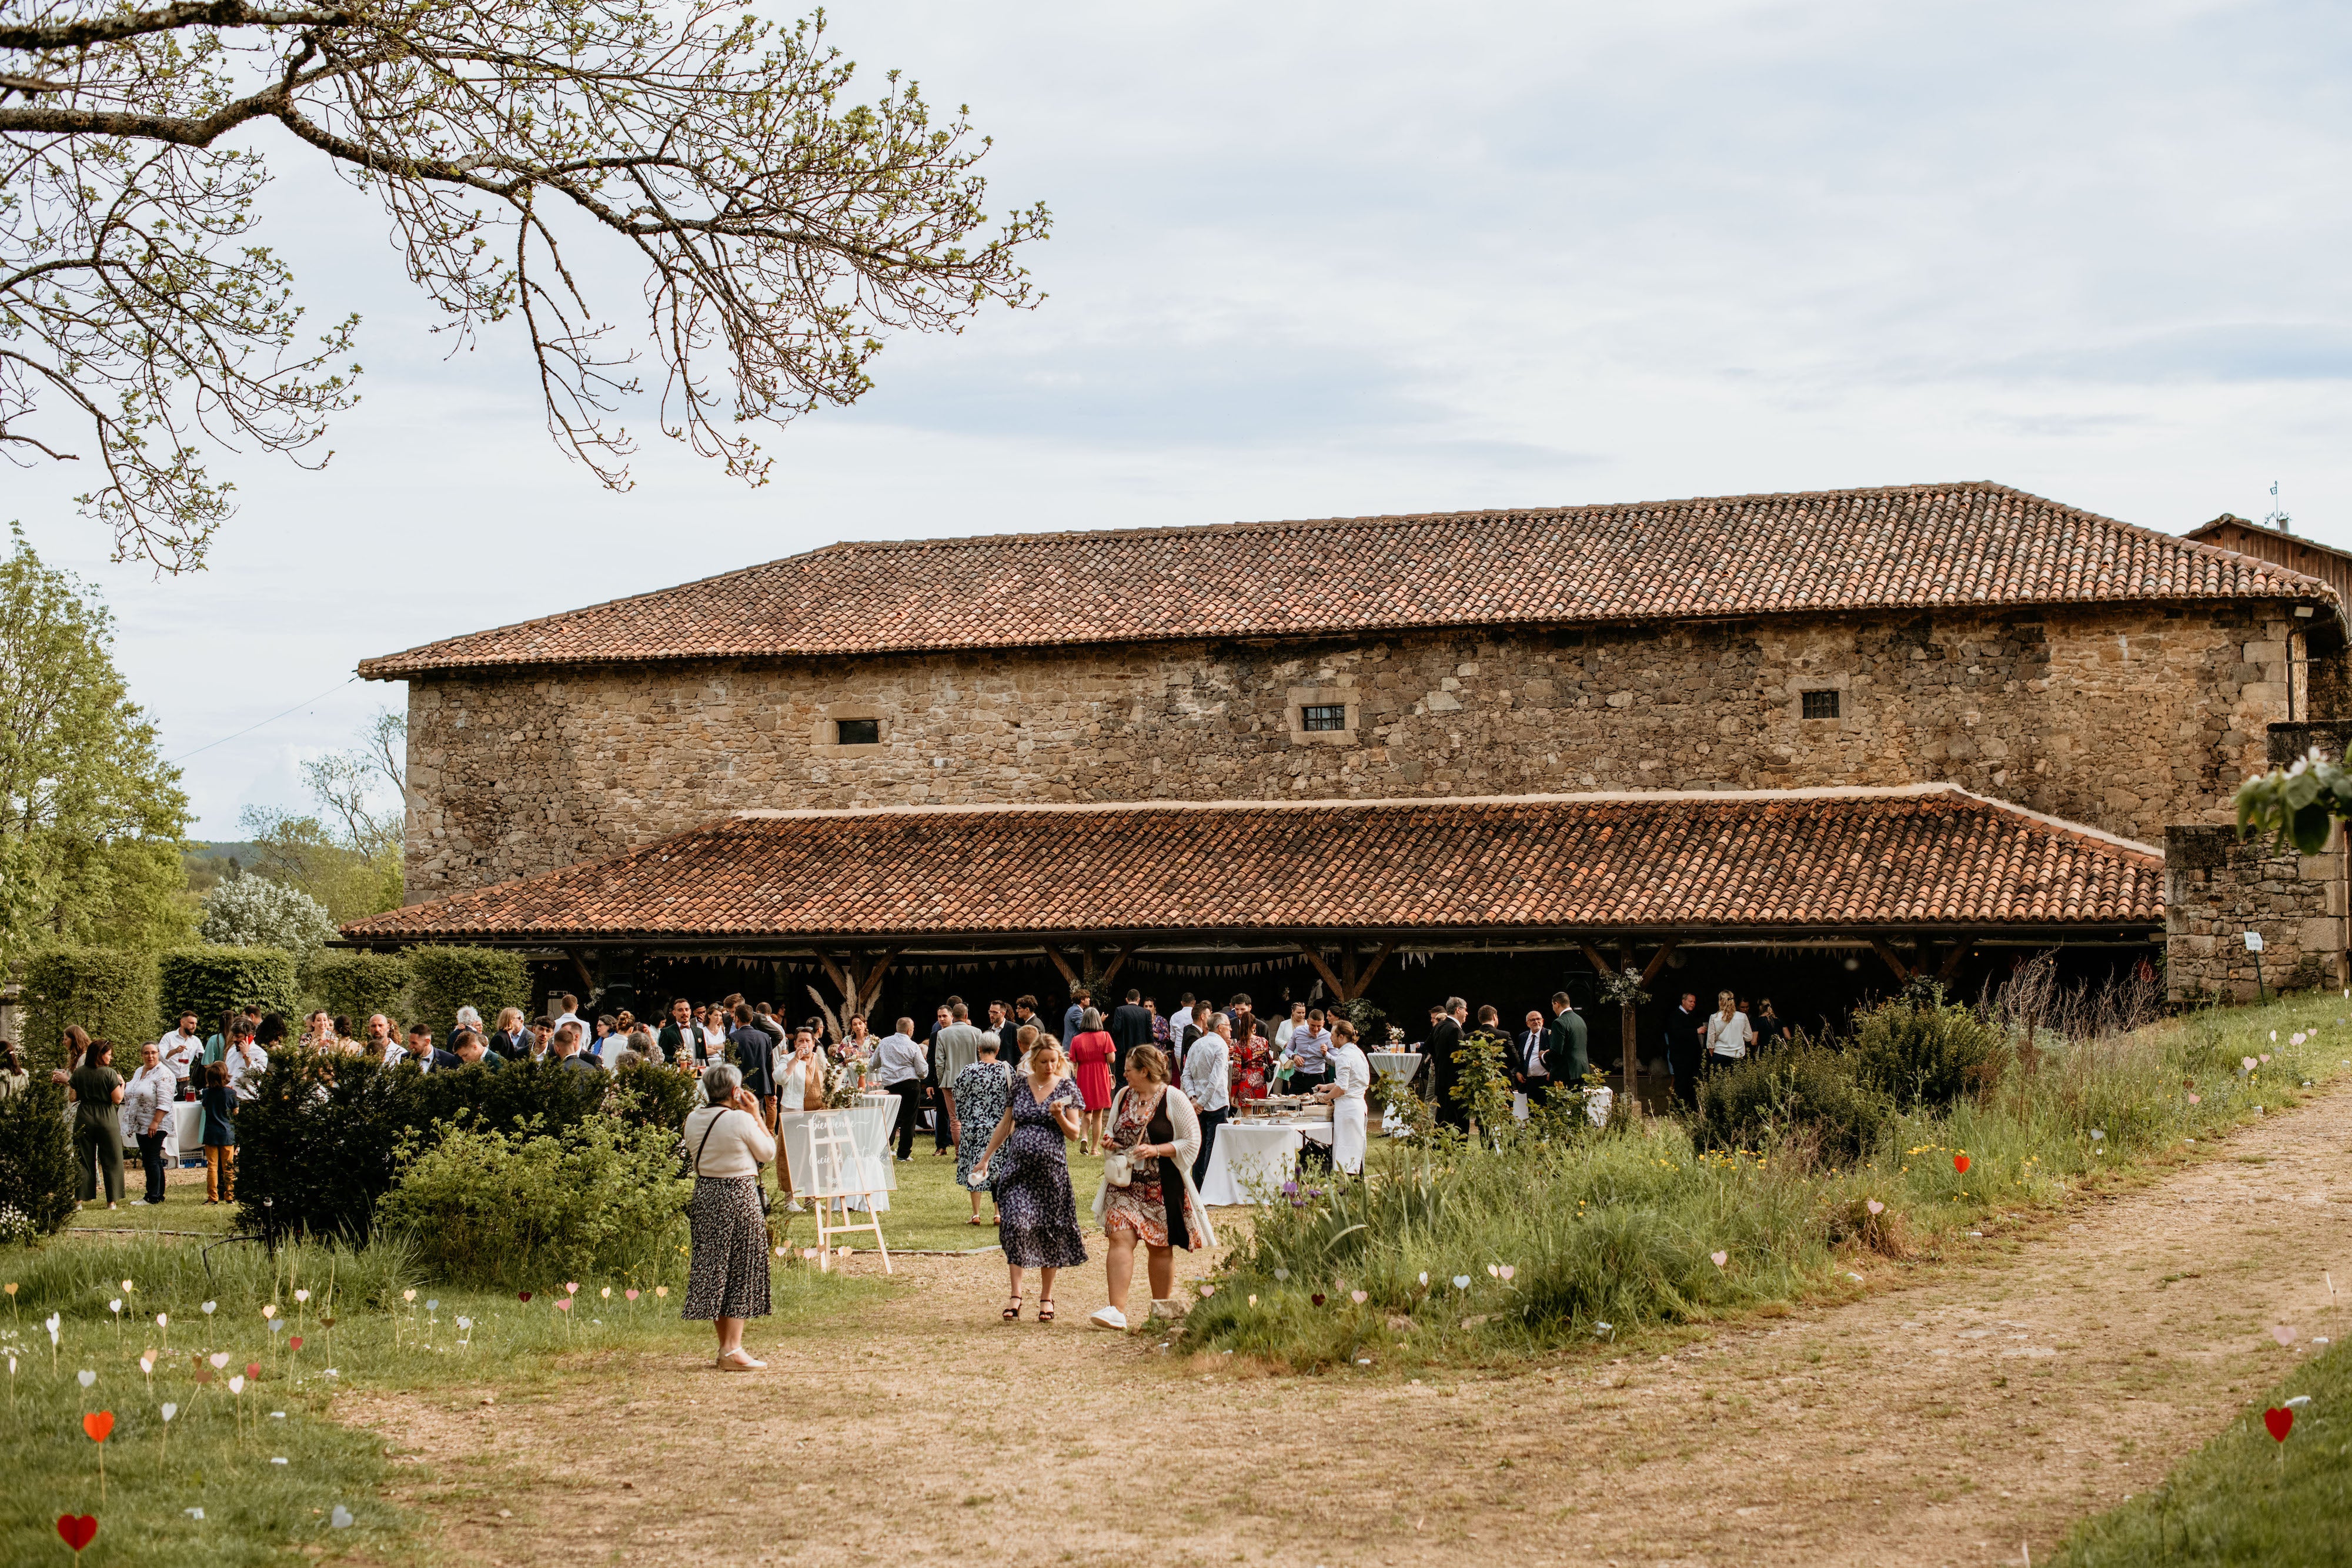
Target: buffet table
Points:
(1250, 1159)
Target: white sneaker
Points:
(1108, 1318)
(796, 1207)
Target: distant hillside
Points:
(207, 863)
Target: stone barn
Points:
(1807, 660)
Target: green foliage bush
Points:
(1808, 1091)
(320, 1143)
(111, 994)
(654, 1096)
(447, 978)
(37, 1167)
(208, 981)
(603, 1197)
(354, 985)
(1921, 1052)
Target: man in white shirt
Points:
(247, 1062)
(899, 1061)
(1208, 1069)
(571, 1014)
(1181, 1019)
(182, 1050)
(380, 1043)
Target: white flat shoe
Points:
(742, 1363)
(1107, 1318)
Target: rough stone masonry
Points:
(2127, 717)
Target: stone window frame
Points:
(1301, 698)
(1821, 681)
(828, 726)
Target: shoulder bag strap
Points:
(707, 1131)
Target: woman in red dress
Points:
(1091, 1051)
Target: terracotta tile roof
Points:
(1797, 860)
(1742, 555)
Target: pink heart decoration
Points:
(1875, 1207)
(1508, 1272)
(1208, 1290)
(563, 1304)
(1359, 1297)
(220, 1358)
(2197, 1099)
(631, 1293)
(572, 1287)
(1720, 1258)
(2283, 1334)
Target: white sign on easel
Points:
(837, 1173)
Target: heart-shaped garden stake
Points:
(522, 1296)
(1359, 1297)
(1875, 1207)
(204, 1374)
(1316, 1297)
(1720, 1258)
(341, 1519)
(253, 1371)
(86, 1378)
(77, 1531)
(2284, 1333)
(237, 1386)
(563, 1304)
(326, 1323)
(2280, 1422)
(1461, 1281)
(631, 1293)
(220, 1358)
(170, 1410)
(1960, 1164)
(294, 1343)
(1508, 1272)
(209, 1306)
(1208, 1290)
(100, 1425)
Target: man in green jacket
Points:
(1564, 1050)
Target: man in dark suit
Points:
(1685, 1048)
(473, 1050)
(566, 1048)
(428, 1057)
(1565, 1048)
(1530, 1058)
(1131, 1026)
(1445, 1040)
(680, 1040)
(751, 1046)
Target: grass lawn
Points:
(930, 1213)
(219, 1452)
(183, 1207)
(2246, 1498)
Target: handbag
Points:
(1119, 1168)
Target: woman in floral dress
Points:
(1036, 1209)
(1157, 1128)
(981, 1091)
(1253, 1061)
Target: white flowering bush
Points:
(254, 911)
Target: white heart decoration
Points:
(170, 1411)
(301, 1295)
(115, 1305)
(1424, 1277)
(162, 1320)
(1461, 1281)
(209, 1306)
(220, 1359)
(1494, 1270)
(87, 1378)
(276, 1325)
(465, 1322)
(147, 1362)
(1875, 1207)
(1282, 1274)
(236, 1384)
(1720, 1258)
(1359, 1297)
(341, 1519)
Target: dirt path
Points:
(1950, 1421)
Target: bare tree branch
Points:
(783, 237)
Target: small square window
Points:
(1323, 717)
(1821, 704)
(858, 731)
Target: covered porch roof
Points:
(1910, 864)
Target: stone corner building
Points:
(2110, 680)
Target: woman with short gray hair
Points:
(726, 1283)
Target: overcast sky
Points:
(1325, 259)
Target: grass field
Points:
(2246, 1498)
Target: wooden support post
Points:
(1363, 981)
(1353, 978)
(580, 966)
(1116, 964)
(1895, 961)
(1068, 974)
(1951, 965)
(1323, 969)
(1594, 956)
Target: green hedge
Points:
(36, 1167)
(110, 993)
(354, 985)
(447, 978)
(318, 1146)
(209, 981)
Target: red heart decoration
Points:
(1316, 1297)
(1960, 1164)
(2280, 1422)
(294, 1343)
(523, 1295)
(99, 1424)
(253, 1371)
(77, 1532)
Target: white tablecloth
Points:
(1251, 1160)
(870, 1123)
(186, 1130)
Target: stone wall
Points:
(2124, 719)
(2216, 889)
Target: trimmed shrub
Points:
(1919, 1053)
(36, 1167)
(354, 985)
(321, 1142)
(1807, 1091)
(209, 981)
(255, 911)
(654, 1096)
(603, 1197)
(447, 978)
(111, 994)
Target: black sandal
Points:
(1013, 1312)
(1044, 1311)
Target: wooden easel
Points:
(836, 1175)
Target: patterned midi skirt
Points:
(729, 1278)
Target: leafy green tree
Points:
(347, 854)
(92, 816)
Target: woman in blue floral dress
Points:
(1036, 1210)
(977, 1097)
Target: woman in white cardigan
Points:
(1159, 1133)
(725, 1142)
